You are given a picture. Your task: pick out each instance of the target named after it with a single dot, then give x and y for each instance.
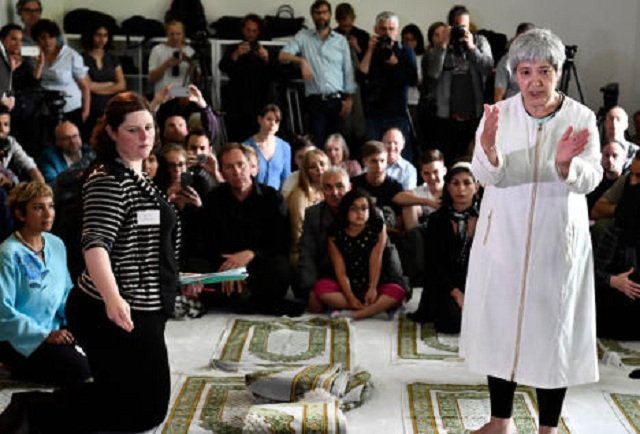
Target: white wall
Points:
(607, 32)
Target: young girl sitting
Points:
(367, 277)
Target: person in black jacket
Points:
(448, 241)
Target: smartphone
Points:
(30, 51)
(186, 179)
(179, 92)
(202, 159)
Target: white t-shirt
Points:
(423, 191)
(162, 52)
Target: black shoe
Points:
(635, 374)
(282, 307)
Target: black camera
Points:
(610, 94)
(254, 47)
(570, 52)
(175, 70)
(385, 47)
(456, 39)
(4, 147)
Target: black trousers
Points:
(550, 401)
(324, 118)
(59, 365)
(131, 387)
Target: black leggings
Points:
(550, 401)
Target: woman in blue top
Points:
(34, 285)
(274, 154)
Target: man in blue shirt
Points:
(324, 59)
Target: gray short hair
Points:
(386, 15)
(337, 137)
(537, 45)
(336, 170)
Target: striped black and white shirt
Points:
(121, 213)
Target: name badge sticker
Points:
(149, 217)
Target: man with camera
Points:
(459, 64)
(324, 58)
(250, 70)
(386, 71)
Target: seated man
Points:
(613, 161)
(314, 258)
(13, 159)
(202, 162)
(615, 126)
(69, 153)
(375, 181)
(420, 202)
(397, 167)
(244, 224)
(605, 207)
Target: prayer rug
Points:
(416, 341)
(460, 409)
(251, 344)
(209, 405)
(622, 354)
(627, 409)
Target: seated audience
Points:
(68, 153)
(419, 203)
(15, 164)
(448, 242)
(301, 144)
(365, 281)
(314, 261)
(105, 71)
(616, 123)
(34, 285)
(617, 268)
(171, 179)
(249, 66)
(274, 154)
(338, 153)
(202, 162)
(397, 167)
(605, 206)
(375, 181)
(613, 161)
(61, 68)
(150, 164)
(244, 224)
(308, 192)
(254, 165)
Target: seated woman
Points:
(308, 192)
(617, 270)
(338, 152)
(449, 236)
(367, 278)
(34, 285)
(274, 154)
(300, 144)
(173, 178)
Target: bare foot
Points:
(498, 426)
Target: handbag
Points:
(227, 27)
(283, 23)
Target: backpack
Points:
(82, 20)
(138, 25)
(191, 14)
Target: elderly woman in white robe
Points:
(529, 314)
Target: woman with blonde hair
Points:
(308, 192)
(170, 62)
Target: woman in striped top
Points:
(119, 308)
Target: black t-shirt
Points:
(383, 195)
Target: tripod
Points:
(568, 69)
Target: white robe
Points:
(529, 310)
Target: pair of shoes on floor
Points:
(635, 374)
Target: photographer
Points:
(170, 62)
(459, 63)
(201, 162)
(385, 73)
(250, 70)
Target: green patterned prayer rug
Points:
(627, 409)
(623, 354)
(209, 404)
(250, 344)
(460, 409)
(421, 342)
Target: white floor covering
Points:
(192, 342)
